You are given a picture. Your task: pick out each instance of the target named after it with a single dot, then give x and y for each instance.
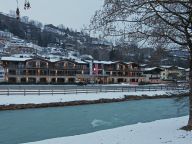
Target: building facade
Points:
(39, 70)
(152, 75)
(36, 70)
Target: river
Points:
(30, 125)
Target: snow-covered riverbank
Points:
(38, 99)
(157, 132)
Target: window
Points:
(31, 64)
(43, 64)
(60, 65)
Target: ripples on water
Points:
(97, 123)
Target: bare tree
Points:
(168, 22)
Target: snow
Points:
(53, 58)
(22, 55)
(157, 132)
(103, 62)
(14, 59)
(38, 99)
(187, 70)
(149, 69)
(79, 61)
(143, 65)
(180, 68)
(85, 56)
(166, 67)
(130, 63)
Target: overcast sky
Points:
(70, 13)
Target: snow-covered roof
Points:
(130, 62)
(149, 69)
(14, 59)
(53, 59)
(143, 65)
(187, 70)
(79, 61)
(103, 62)
(180, 68)
(164, 66)
(168, 67)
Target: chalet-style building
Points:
(115, 72)
(36, 70)
(173, 73)
(40, 70)
(152, 75)
(121, 72)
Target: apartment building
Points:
(40, 70)
(37, 70)
(116, 72)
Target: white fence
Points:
(82, 89)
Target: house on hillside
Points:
(6, 35)
(20, 50)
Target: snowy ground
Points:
(157, 132)
(38, 99)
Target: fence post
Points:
(8, 91)
(135, 88)
(39, 91)
(52, 91)
(24, 91)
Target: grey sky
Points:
(70, 13)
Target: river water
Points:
(30, 125)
